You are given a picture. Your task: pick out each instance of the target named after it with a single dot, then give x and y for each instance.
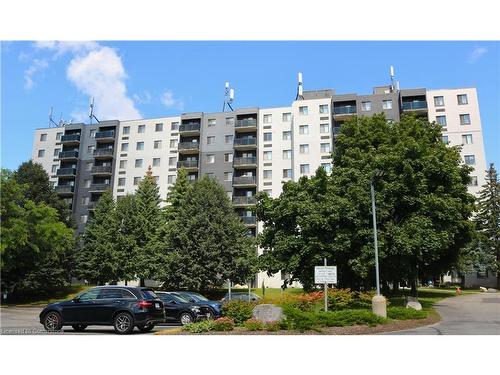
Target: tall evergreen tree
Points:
(177, 195)
(488, 219)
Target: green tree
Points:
(177, 195)
(98, 259)
(206, 243)
(422, 207)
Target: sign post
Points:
(325, 275)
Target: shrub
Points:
(273, 326)
(199, 327)
(239, 311)
(223, 324)
(298, 319)
(402, 313)
(340, 298)
(254, 325)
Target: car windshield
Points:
(199, 297)
(178, 298)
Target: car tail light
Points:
(144, 304)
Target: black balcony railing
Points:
(187, 164)
(99, 187)
(244, 200)
(189, 127)
(103, 152)
(344, 110)
(249, 141)
(101, 169)
(68, 154)
(105, 134)
(248, 122)
(416, 104)
(70, 138)
(66, 172)
(245, 160)
(61, 189)
(188, 146)
(244, 180)
(248, 219)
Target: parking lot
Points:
(24, 321)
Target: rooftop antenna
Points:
(91, 111)
(228, 97)
(299, 87)
(51, 118)
(61, 121)
(392, 78)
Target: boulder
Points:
(267, 313)
(492, 290)
(414, 304)
(483, 289)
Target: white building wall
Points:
(51, 146)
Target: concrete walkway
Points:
(475, 314)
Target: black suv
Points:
(122, 307)
(180, 310)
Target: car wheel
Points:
(146, 328)
(210, 314)
(186, 318)
(79, 327)
(52, 321)
(123, 323)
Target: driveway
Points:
(24, 321)
(474, 314)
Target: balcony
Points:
(64, 189)
(70, 139)
(97, 188)
(105, 136)
(189, 128)
(101, 170)
(92, 205)
(66, 172)
(244, 201)
(68, 155)
(247, 143)
(415, 105)
(248, 124)
(187, 164)
(245, 162)
(188, 147)
(249, 220)
(103, 153)
(344, 111)
(244, 181)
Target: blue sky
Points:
(153, 79)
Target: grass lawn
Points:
(429, 296)
(63, 293)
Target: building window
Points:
(90, 149)
(228, 158)
(126, 130)
(467, 139)
(287, 135)
(123, 164)
(304, 149)
(137, 180)
(445, 140)
(327, 167)
(56, 152)
(174, 126)
(41, 153)
(287, 117)
(157, 144)
(366, 106)
(140, 146)
(171, 179)
(211, 122)
(158, 127)
(173, 143)
(228, 138)
(462, 99)
(172, 161)
(54, 168)
(83, 219)
(156, 162)
(88, 166)
(141, 128)
(210, 140)
(287, 173)
(267, 119)
(228, 176)
(138, 163)
(121, 181)
(325, 147)
(324, 128)
(85, 201)
(268, 174)
(268, 155)
(92, 133)
(43, 137)
(268, 191)
(304, 169)
(441, 120)
(465, 119)
(268, 137)
(473, 181)
(86, 183)
(58, 136)
(210, 158)
(438, 101)
(470, 159)
(229, 121)
(303, 111)
(124, 147)
(304, 129)
(323, 108)
(387, 104)
(287, 154)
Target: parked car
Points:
(215, 306)
(180, 310)
(241, 296)
(122, 307)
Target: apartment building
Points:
(247, 150)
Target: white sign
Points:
(325, 275)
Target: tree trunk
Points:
(142, 282)
(126, 282)
(395, 287)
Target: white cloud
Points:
(37, 65)
(476, 54)
(169, 101)
(144, 98)
(61, 48)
